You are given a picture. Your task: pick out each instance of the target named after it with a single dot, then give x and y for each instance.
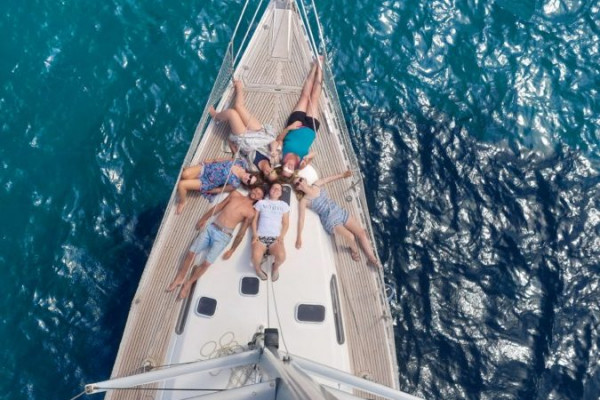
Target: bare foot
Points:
(180, 206)
(261, 274)
(354, 254)
(212, 111)
(238, 85)
(275, 276)
(374, 262)
(174, 285)
(185, 291)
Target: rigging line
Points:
(162, 389)
(231, 68)
(247, 32)
(235, 158)
(268, 304)
(278, 318)
(78, 396)
(310, 34)
(238, 23)
(320, 28)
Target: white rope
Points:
(239, 22)
(268, 304)
(310, 34)
(78, 396)
(247, 32)
(235, 158)
(277, 315)
(321, 36)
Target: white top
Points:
(269, 220)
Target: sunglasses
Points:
(248, 181)
(298, 182)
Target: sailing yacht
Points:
(323, 329)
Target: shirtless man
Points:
(231, 211)
(269, 226)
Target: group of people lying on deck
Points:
(269, 218)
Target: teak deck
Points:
(273, 70)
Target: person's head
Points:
(275, 191)
(249, 179)
(300, 184)
(257, 193)
(290, 163)
(273, 176)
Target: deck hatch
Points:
(249, 286)
(310, 313)
(206, 306)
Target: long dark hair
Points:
(259, 180)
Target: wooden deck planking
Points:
(154, 312)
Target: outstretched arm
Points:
(301, 212)
(326, 180)
(255, 227)
(238, 238)
(285, 223)
(212, 211)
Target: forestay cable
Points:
(247, 32)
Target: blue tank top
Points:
(298, 141)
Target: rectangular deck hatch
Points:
(310, 313)
(206, 306)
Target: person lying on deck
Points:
(212, 177)
(234, 209)
(269, 226)
(302, 125)
(335, 219)
(254, 140)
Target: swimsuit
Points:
(305, 120)
(216, 174)
(298, 141)
(258, 157)
(267, 240)
(329, 212)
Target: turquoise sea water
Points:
(476, 123)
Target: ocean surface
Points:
(477, 124)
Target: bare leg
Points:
(307, 89)
(345, 233)
(278, 251)
(182, 187)
(258, 251)
(192, 172)
(315, 94)
(239, 105)
(183, 270)
(353, 226)
(198, 272)
(232, 116)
